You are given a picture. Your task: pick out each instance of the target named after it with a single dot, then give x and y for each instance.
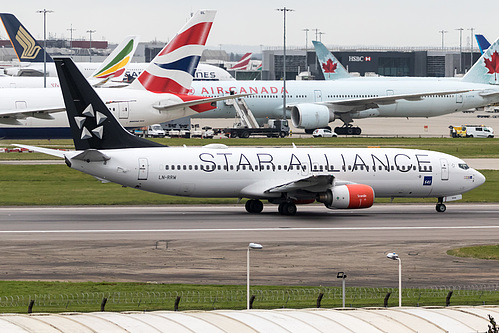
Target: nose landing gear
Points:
(440, 205)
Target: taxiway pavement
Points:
(207, 244)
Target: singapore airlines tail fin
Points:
(115, 64)
(92, 124)
(331, 67)
(25, 45)
(172, 70)
(483, 43)
(486, 68)
(243, 63)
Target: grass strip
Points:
(489, 252)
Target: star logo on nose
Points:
(90, 128)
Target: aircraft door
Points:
(444, 168)
(124, 110)
(459, 98)
(143, 169)
(318, 95)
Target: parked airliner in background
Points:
(314, 104)
(159, 94)
(338, 177)
(483, 43)
(30, 55)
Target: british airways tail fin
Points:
(114, 65)
(172, 70)
(92, 124)
(26, 47)
(331, 67)
(243, 63)
(483, 43)
(486, 68)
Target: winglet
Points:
(92, 125)
(331, 67)
(25, 45)
(172, 70)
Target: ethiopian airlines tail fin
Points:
(92, 124)
(172, 70)
(243, 63)
(26, 47)
(331, 67)
(483, 43)
(115, 64)
(486, 68)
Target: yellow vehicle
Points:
(471, 131)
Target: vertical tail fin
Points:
(26, 47)
(482, 42)
(115, 64)
(243, 63)
(92, 124)
(331, 67)
(486, 68)
(172, 70)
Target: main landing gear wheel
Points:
(441, 208)
(440, 205)
(254, 206)
(287, 208)
(348, 130)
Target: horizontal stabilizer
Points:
(48, 151)
(91, 155)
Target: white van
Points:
(479, 131)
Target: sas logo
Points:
(427, 180)
(30, 50)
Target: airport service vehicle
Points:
(275, 128)
(324, 133)
(314, 104)
(159, 94)
(30, 55)
(343, 178)
(151, 131)
(471, 131)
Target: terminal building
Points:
(416, 62)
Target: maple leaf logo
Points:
(493, 64)
(329, 66)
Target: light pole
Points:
(460, 49)
(71, 40)
(90, 47)
(443, 32)
(251, 246)
(471, 46)
(306, 39)
(395, 256)
(284, 10)
(45, 11)
(342, 276)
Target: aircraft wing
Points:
(194, 102)
(365, 103)
(11, 116)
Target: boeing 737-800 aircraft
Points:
(338, 177)
(314, 104)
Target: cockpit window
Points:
(464, 166)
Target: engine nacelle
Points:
(351, 196)
(310, 116)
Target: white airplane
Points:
(338, 177)
(159, 94)
(30, 55)
(314, 104)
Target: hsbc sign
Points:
(358, 58)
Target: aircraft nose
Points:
(479, 179)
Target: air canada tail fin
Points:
(243, 63)
(483, 43)
(331, 67)
(26, 47)
(92, 124)
(486, 68)
(172, 70)
(114, 65)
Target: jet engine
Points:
(310, 116)
(351, 196)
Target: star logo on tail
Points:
(88, 131)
